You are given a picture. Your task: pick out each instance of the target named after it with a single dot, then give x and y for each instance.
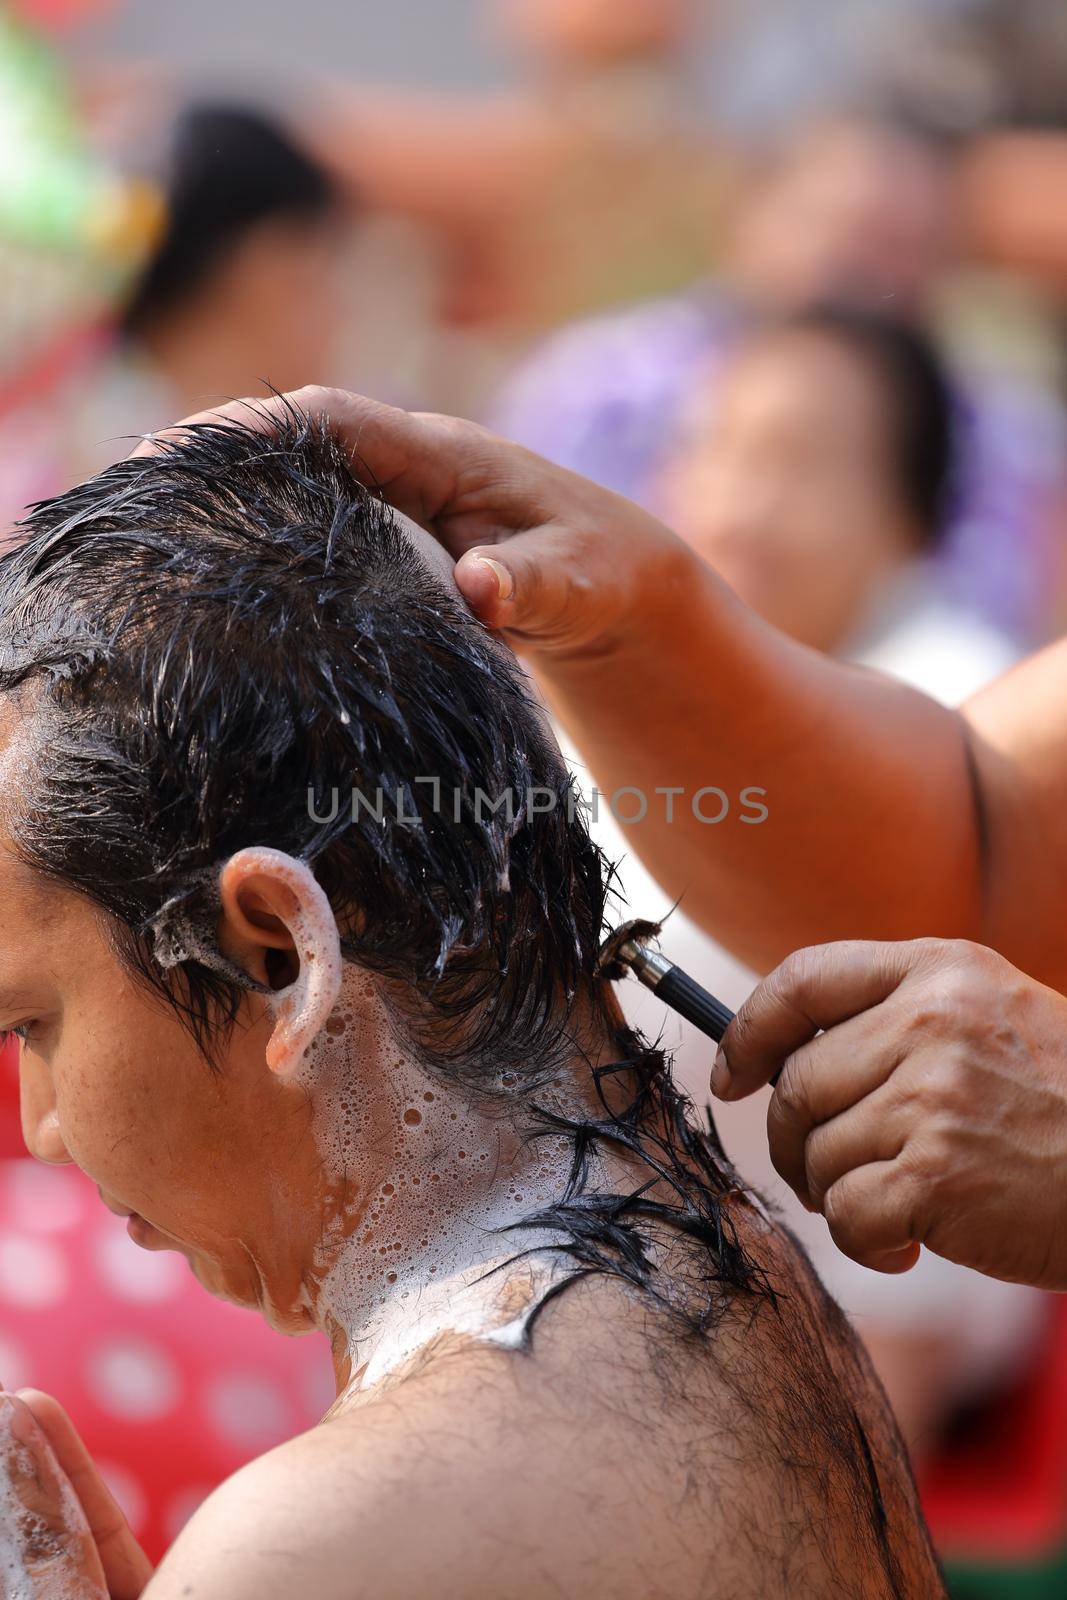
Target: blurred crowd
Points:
(820, 327)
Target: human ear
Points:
(277, 921)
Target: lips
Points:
(143, 1233)
(138, 1229)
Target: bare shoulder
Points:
(490, 1473)
(467, 1482)
(615, 1456)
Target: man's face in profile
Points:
(112, 1080)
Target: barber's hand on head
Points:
(60, 1526)
(557, 564)
(930, 1110)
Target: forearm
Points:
(872, 824)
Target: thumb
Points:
(487, 584)
(812, 990)
(523, 587)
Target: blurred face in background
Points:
(273, 311)
(785, 484)
(853, 212)
(280, 294)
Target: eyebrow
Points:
(10, 999)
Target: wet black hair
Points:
(219, 641)
(230, 170)
(904, 361)
(226, 642)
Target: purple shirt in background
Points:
(604, 398)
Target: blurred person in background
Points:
(593, 180)
(854, 208)
(815, 472)
(244, 288)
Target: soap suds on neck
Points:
(413, 1248)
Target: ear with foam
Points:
(272, 901)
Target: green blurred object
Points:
(71, 231)
(1045, 1581)
(48, 184)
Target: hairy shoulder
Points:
(477, 1480)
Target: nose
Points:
(40, 1119)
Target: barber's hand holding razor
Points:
(922, 1100)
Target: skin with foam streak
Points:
(419, 1254)
(416, 1254)
(47, 1551)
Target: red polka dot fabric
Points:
(170, 1389)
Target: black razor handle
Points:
(679, 991)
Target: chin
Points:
(147, 1236)
(210, 1276)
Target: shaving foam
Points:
(412, 1248)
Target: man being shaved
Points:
(300, 942)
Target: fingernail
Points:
(720, 1076)
(505, 583)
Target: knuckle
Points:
(312, 394)
(940, 1083)
(796, 971)
(318, 401)
(950, 952)
(927, 1161)
(841, 1219)
(850, 1231)
(817, 1165)
(947, 1001)
(835, 1207)
(962, 989)
(793, 1091)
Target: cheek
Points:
(106, 1114)
(126, 1109)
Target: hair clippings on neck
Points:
(627, 950)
